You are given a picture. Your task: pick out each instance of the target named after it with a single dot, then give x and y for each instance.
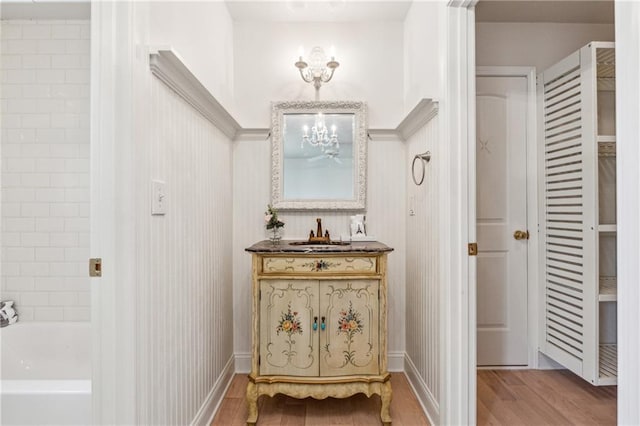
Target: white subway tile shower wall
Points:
(45, 168)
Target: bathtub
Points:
(46, 374)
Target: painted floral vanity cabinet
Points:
(319, 322)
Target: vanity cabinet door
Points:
(288, 341)
(349, 344)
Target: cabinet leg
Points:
(385, 397)
(252, 403)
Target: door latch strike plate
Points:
(473, 249)
(95, 267)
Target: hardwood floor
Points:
(543, 397)
(357, 410)
(505, 397)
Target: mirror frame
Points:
(278, 111)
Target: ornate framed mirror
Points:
(319, 155)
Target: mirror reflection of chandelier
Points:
(320, 136)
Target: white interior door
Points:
(501, 211)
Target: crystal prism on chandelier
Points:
(320, 135)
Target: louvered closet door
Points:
(567, 219)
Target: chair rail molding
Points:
(167, 65)
(417, 118)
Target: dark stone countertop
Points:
(284, 246)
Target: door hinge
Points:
(378, 294)
(259, 294)
(473, 249)
(259, 357)
(95, 267)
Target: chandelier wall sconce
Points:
(318, 70)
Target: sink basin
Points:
(316, 246)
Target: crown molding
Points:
(167, 65)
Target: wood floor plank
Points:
(505, 397)
(238, 387)
(232, 411)
(358, 410)
(542, 397)
(366, 411)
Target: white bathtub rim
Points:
(45, 387)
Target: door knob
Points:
(521, 235)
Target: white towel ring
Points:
(425, 157)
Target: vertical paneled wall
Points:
(45, 168)
(386, 201)
(423, 276)
(185, 326)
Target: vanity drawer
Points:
(320, 264)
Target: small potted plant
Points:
(273, 224)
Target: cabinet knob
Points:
(315, 323)
(323, 325)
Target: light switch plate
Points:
(158, 197)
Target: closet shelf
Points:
(606, 138)
(608, 289)
(608, 364)
(606, 148)
(607, 228)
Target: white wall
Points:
(45, 165)
(184, 342)
(424, 276)
(184, 273)
(202, 33)
(534, 44)
(370, 56)
(163, 307)
(422, 28)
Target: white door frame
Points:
(532, 199)
(628, 127)
(111, 222)
(458, 346)
(628, 157)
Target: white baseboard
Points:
(243, 362)
(546, 363)
(425, 397)
(209, 408)
(395, 362)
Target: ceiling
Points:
(318, 10)
(565, 11)
(561, 11)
